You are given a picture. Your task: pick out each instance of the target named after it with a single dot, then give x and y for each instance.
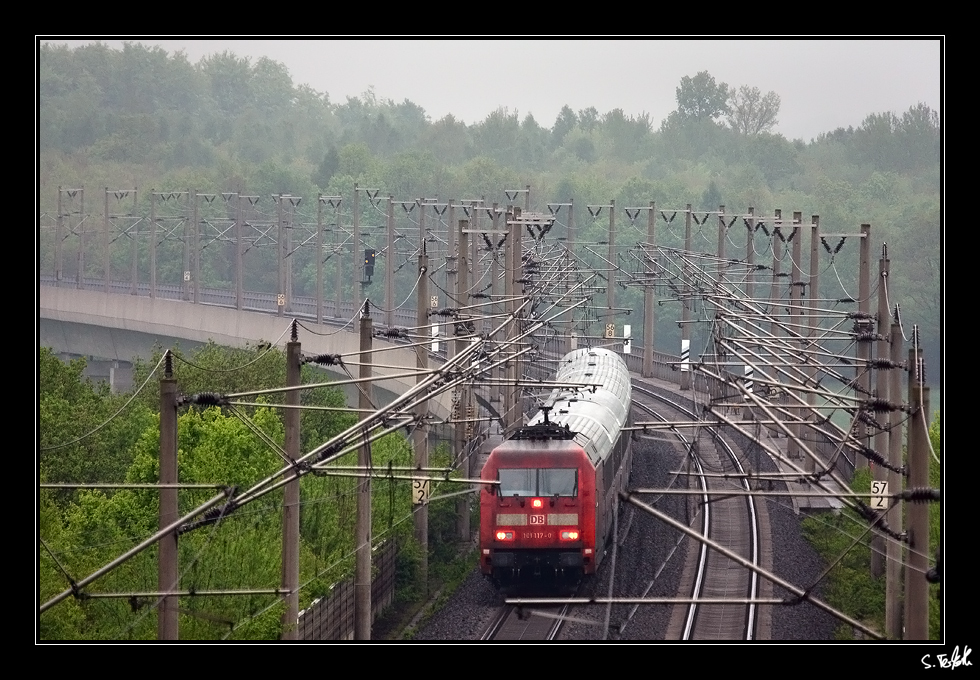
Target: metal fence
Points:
(332, 617)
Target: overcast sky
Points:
(823, 84)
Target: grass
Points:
(408, 614)
(850, 586)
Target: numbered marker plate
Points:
(879, 495)
(420, 491)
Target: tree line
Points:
(87, 435)
(142, 116)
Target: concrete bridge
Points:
(119, 326)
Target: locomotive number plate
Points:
(537, 519)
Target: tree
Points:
(920, 136)
(751, 112)
(564, 124)
(448, 139)
(329, 165)
(79, 440)
(701, 98)
(711, 196)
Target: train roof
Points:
(597, 415)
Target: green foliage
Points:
(701, 98)
(850, 586)
(83, 531)
(138, 117)
(71, 407)
(750, 112)
(935, 523)
(213, 368)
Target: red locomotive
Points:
(548, 519)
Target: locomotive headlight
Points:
(537, 503)
(505, 535)
(569, 535)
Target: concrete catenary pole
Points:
(513, 233)
(153, 243)
(777, 258)
(290, 504)
(185, 290)
(895, 550)
(58, 238)
(686, 308)
(450, 266)
(280, 256)
(134, 250)
(196, 250)
(750, 253)
(570, 249)
(339, 260)
(167, 566)
(648, 296)
(319, 258)
(390, 266)
(420, 437)
(496, 394)
(105, 239)
(80, 274)
(611, 256)
(916, 587)
(719, 278)
(796, 317)
(362, 558)
(881, 388)
(357, 273)
(515, 272)
(293, 202)
(813, 288)
(863, 327)
(459, 428)
(239, 254)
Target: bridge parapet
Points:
(197, 323)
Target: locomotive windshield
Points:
(538, 482)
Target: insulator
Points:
(878, 459)
(329, 451)
(879, 521)
(884, 363)
(920, 495)
(211, 516)
(392, 333)
(448, 311)
(858, 315)
(208, 399)
(327, 359)
(868, 419)
(879, 405)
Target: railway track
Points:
(520, 623)
(731, 522)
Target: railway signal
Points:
(369, 255)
